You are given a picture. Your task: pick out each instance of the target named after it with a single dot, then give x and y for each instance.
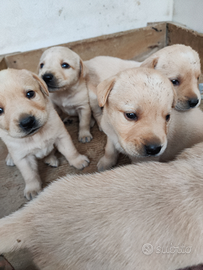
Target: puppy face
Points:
(23, 103)
(60, 68)
(137, 106)
(181, 64)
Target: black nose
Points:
(28, 122)
(152, 149)
(47, 77)
(193, 102)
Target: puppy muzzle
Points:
(184, 105)
(28, 124)
(50, 81)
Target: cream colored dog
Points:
(64, 73)
(70, 80)
(137, 107)
(126, 218)
(30, 127)
(101, 68)
(181, 64)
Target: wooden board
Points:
(3, 64)
(134, 44)
(180, 34)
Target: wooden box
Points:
(135, 44)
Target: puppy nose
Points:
(193, 102)
(47, 77)
(28, 122)
(152, 149)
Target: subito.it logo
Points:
(147, 249)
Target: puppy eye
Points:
(65, 65)
(198, 78)
(41, 65)
(1, 111)
(175, 82)
(168, 117)
(30, 94)
(131, 116)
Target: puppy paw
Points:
(105, 164)
(85, 136)
(80, 162)
(32, 190)
(52, 161)
(9, 160)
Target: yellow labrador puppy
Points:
(101, 68)
(70, 81)
(30, 127)
(64, 73)
(144, 216)
(181, 64)
(136, 112)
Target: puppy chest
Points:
(66, 106)
(44, 149)
(70, 104)
(38, 149)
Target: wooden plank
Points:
(178, 34)
(134, 44)
(2, 63)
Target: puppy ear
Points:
(83, 69)
(150, 62)
(103, 90)
(42, 84)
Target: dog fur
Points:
(70, 87)
(101, 68)
(149, 95)
(67, 85)
(181, 64)
(28, 139)
(108, 220)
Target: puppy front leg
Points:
(110, 157)
(84, 124)
(65, 145)
(29, 171)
